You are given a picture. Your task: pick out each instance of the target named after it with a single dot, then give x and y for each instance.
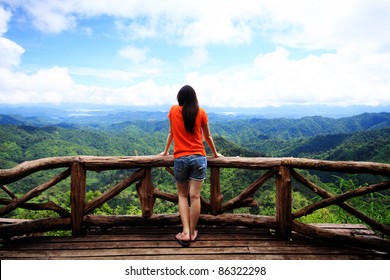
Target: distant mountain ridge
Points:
(363, 137)
(235, 129)
(304, 127)
(85, 112)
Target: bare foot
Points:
(194, 236)
(183, 236)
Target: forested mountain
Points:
(361, 138)
(313, 137)
(372, 145)
(296, 128)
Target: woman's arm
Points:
(209, 139)
(168, 142)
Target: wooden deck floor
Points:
(158, 243)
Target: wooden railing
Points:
(79, 218)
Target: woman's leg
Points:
(195, 187)
(184, 210)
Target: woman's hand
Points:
(164, 154)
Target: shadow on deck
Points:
(214, 243)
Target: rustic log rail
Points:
(283, 169)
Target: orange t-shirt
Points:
(185, 143)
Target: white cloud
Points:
(10, 52)
(142, 65)
(134, 30)
(134, 54)
(52, 22)
(49, 16)
(108, 74)
(329, 24)
(212, 27)
(4, 18)
(142, 94)
(198, 58)
(341, 78)
(352, 36)
(192, 23)
(55, 86)
(337, 79)
(45, 86)
(301, 23)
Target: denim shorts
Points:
(190, 168)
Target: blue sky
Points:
(247, 53)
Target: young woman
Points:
(188, 125)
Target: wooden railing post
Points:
(145, 192)
(215, 191)
(283, 203)
(77, 197)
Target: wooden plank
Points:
(377, 243)
(332, 225)
(224, 257)
(215, 191)
(233, 238)
(352, 229)
(196, 253)
(158, 244)
(116, 162)
(124, 251)
(325, 250)
(34, 226)
(12, 221)
(283, 202)
(339, 166)
(204, 257)
(26, 168)
(177, 228)
(145, 192)
(77, 197)
(174, 219)
(213, 243)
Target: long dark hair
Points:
(187, 98)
